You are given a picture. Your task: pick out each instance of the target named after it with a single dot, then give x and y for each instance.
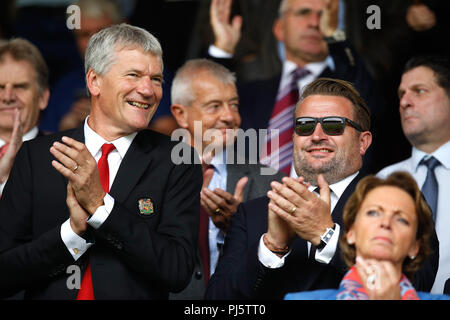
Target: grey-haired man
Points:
(122, 228)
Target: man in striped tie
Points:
(307, 32)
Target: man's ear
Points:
(43, 99)
(93, 81)
(277, 29)
(365, 140)
(180, 114)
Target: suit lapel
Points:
(136, 161)
(78, 133)
(236, 172)
(339, 208)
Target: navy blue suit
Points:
(240, 275)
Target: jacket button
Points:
(198, 275)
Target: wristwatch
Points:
(326, 237)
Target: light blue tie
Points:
(430, 187)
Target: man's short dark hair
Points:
(439, 64)
(340, 88)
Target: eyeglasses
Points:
(332, 126)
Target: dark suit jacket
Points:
(240, 275)
(135, 256)
(257, 186)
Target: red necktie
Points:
(2, 153)
(203, 238)
(86, 291)
(3, 150)
(282, 118)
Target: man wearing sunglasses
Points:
(287, 241)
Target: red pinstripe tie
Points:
(282, 118)
(203, 238)
(86, 291)
(3, 150)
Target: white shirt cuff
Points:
(76, 245)
(268, 258)
(325, 254)
(102, 213)
(2, 186)
(218, 53)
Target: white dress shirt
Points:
(27, 136)
(216, 236)
(76, 245)
(324, 255)
(442, 223)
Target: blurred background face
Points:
(336, 157)
(126, 97)
(299, 30)
(90, 26)
(19, 90)
(385, 226)
(424, 107)
(216, 105)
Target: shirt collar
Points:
(94, 142)
(316, 68)
(442, 154)
(27, 136)
(339, 187)
(219, 163)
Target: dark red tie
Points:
(282, 118)
(86, 291)
(2, 153)
(3, 150)
(203, 238)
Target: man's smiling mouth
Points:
(139, 105)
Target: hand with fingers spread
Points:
(6, 162)
(379, 278)
(74, 162)
(226, 34)
(222, 205)
(305, 214)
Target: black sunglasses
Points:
(332, 126)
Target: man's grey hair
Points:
(283, 7)
(102, 47)
(182, 92)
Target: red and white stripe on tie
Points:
(277, 152)
(3, 150)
